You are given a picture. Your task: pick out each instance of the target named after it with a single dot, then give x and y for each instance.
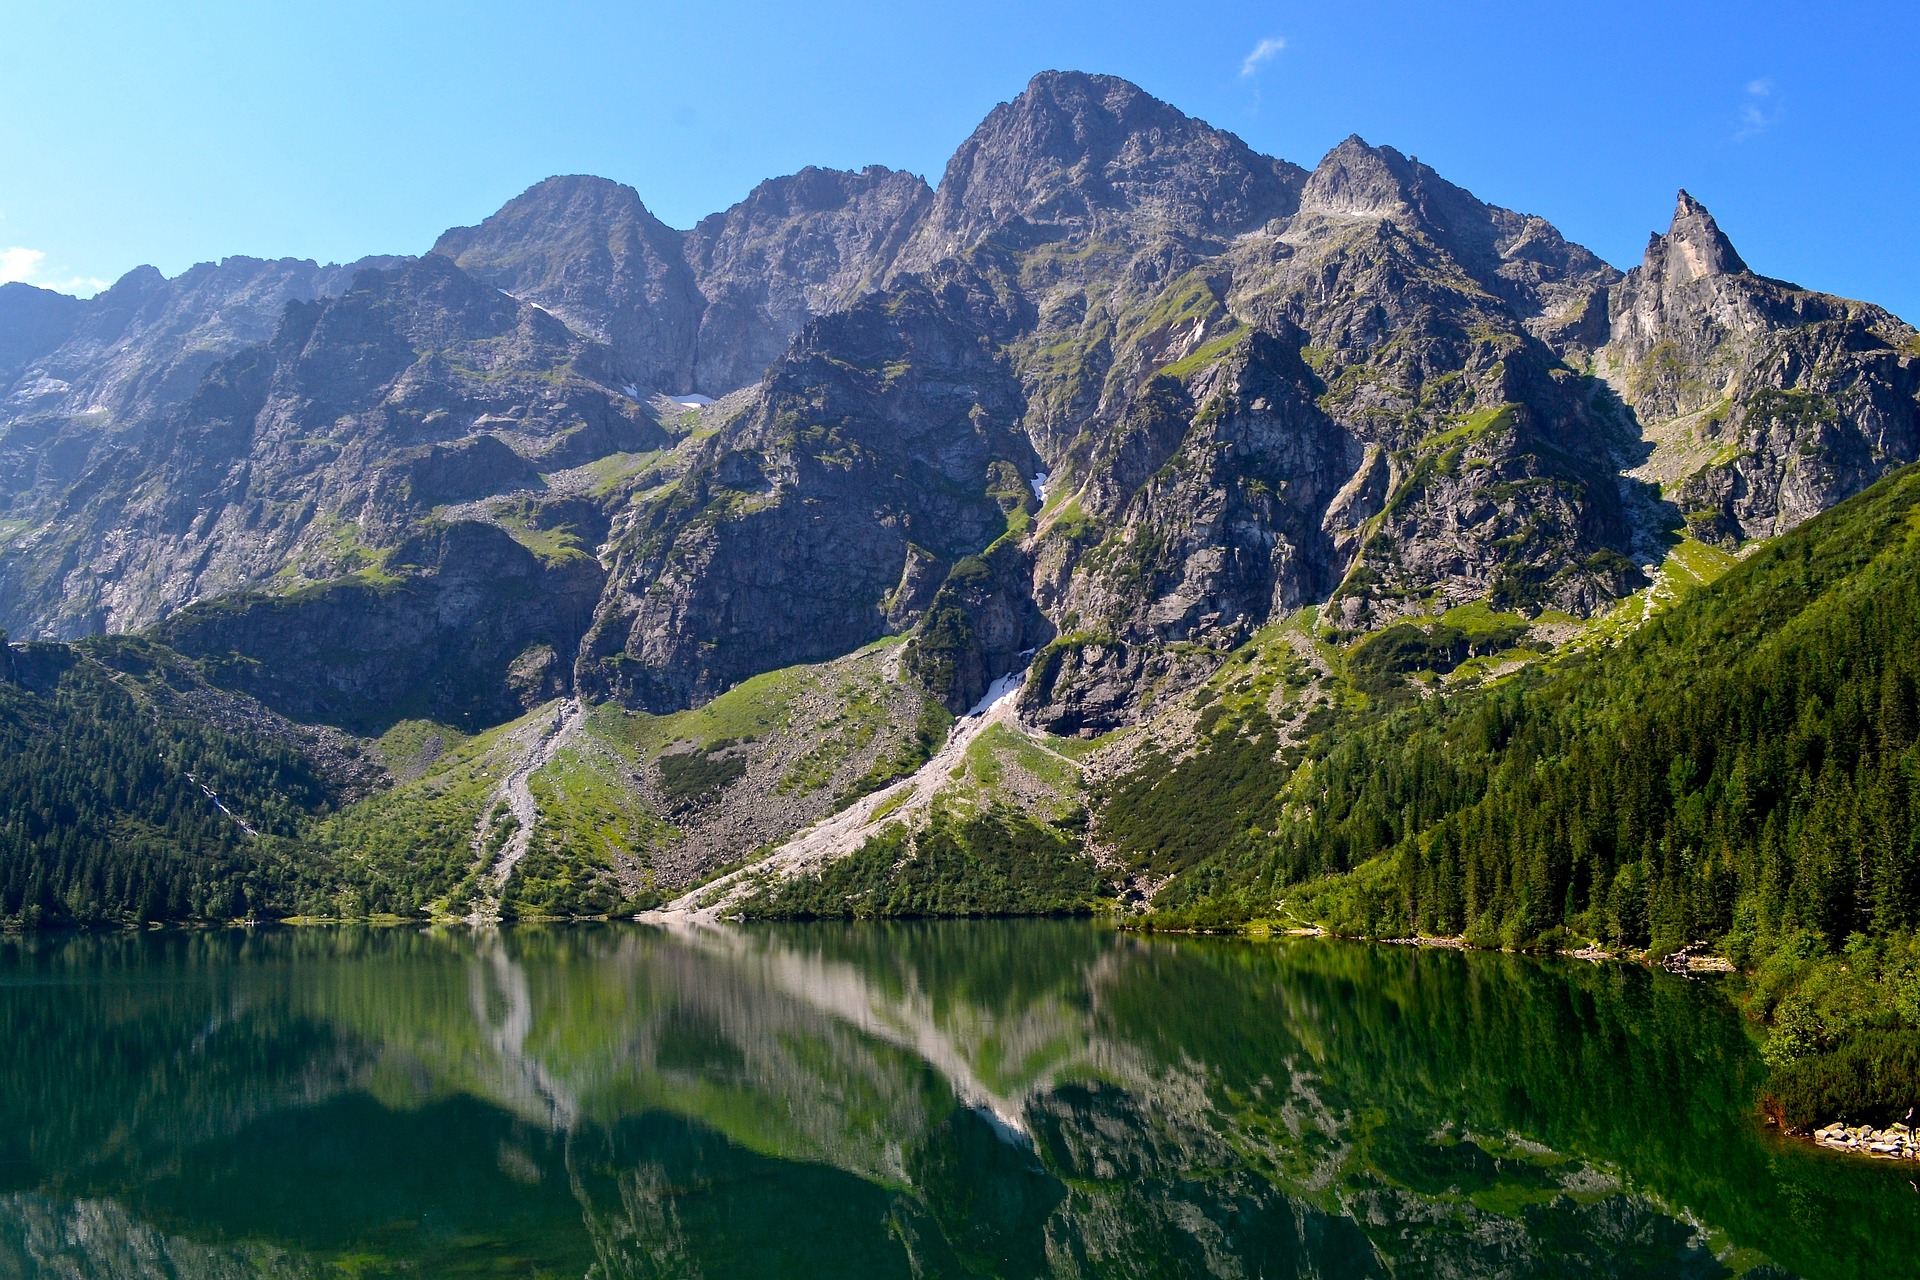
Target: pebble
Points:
(1896, 1142)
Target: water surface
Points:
(1018, 1099)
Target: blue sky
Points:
(175, 133)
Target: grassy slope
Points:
(1003, 836)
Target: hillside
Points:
(1741, 764)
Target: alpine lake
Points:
(993, 1098)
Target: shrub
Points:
(1873, 1078)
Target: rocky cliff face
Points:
(884, 448)
(1076, 156)
(589, 253)
(1350, 404)
(33, 322)
(143, 345)
(701, 311)
(795, 248)
(322, 456)
(1762, 403)
(1121, 391)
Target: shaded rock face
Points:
(588, 251)
(1762, 403)
(315, 455)
(795, 248)
(890, 432)
(1121, 391)
(1076, 155)
(33, 322)
(143, 345)
(701, 311)
(463, 633)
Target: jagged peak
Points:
(1084, 86)
(579, 186)
(140, 280)
(1077, 150)
(1356, 177)
(814, 189)
(576, 198)
(1694, 247)
(1064, 112)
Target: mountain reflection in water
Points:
(994, 1098)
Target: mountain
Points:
(703, 311)
(1763, 403)
(1153, 424)
(143, 344)
(797, 247)
(587, 251)
(1078, 156)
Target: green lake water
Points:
(955, 1099)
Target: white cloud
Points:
(24, 266)
(19, 265)
(1262, 54)
(1756, 113)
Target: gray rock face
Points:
(706, 310)
(795, 248)
(143, 345)
(586, 250)
(32, 322)
(1351, 404)
(1522, 260)
(1761, 403)
(889, 434)
(317, 454)
(1078, 155)
(1220, 512)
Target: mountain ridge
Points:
(1117, 399)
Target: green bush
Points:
(1873, 1078)
(692, 777)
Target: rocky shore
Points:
(1895, 1142)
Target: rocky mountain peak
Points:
(587, 250)
(816, 190)
(1694, 246)
(562, 202)
(33, 321)
(1076, 153)
(1357, 179)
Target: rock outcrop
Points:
(889, 435)
(796, 248)
(588, 251)
(1762, 403)
(144, 344)
(1079, 156)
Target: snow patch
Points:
(695, 401)
(997, 692)
(1039, 483)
